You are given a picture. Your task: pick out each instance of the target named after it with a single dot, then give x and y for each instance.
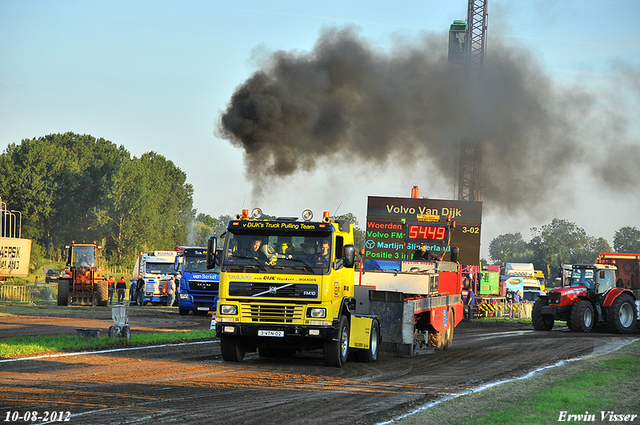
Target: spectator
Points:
(517, 296)
(468, 300)
(140, 290)
(171, 291)
(111, 282)
(121, 287)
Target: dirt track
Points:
(191, 384)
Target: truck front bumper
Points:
(277, 334)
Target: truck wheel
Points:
(63, 292)
(232, 350)
(102, 293)
(541, 322)
(437, 339)
(370, 354)
(581, 316)
(622, 315)
(448, 333)
(335, 352)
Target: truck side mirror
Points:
(349, 256)
(212, 246)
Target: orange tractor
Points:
(80, 282)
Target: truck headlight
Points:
(228, 309)
(184, 296)
(318, 313)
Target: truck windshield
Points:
(196, 264)
(278, 252)
(582, 277)
(160, 268)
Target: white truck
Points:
(156, 267)
(523, 276)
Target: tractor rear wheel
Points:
(581, 316)
(621, 317)
(541, 322)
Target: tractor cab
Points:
(597, 278)
(81, 256)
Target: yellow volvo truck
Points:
(287, 285)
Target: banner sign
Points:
(14, 257)
(396, 226)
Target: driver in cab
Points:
(253, 251)
(323, 257)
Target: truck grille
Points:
(271, 313)
(277, 290)
(199, 285)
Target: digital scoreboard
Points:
(426, 233)
(397, 226)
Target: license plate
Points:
(271, 333)
(203, 308)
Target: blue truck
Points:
(198, 284)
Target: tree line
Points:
(557, 243)
(72, 187)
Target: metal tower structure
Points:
(470, 159)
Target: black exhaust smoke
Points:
(347, 100)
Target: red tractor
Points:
(80, 282)
(587, 298)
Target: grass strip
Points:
(27, 346)
(596, 387)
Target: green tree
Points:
(591, 249)
(149, 208)
(627, 239)
(56, 181)
(358, 233)
(507, 247)
(223, 221)
(201, 228)
(560, 242)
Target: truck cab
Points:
(198, 284)
(156, 267)
(287, 285)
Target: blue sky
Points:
(155, 76)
